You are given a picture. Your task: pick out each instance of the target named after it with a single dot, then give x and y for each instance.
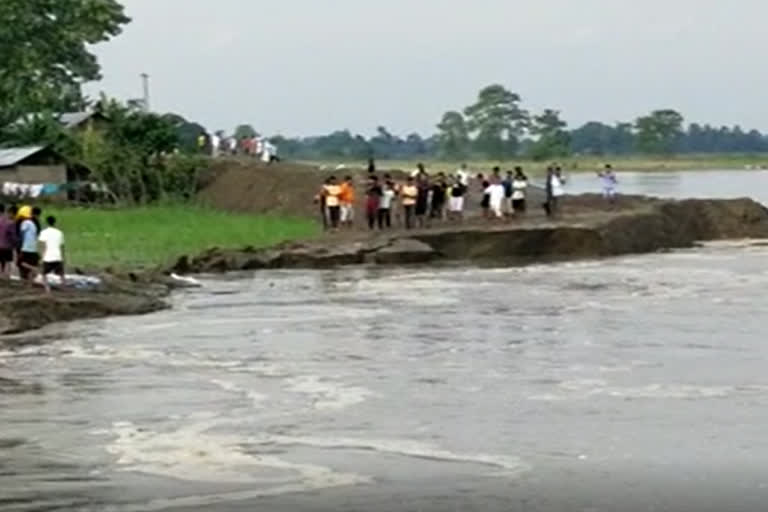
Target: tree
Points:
(659, 132)
(384, 144)
(186, 132)
(244, 131)
(552, 138)
(498, 121)
(45, 48)
(453, 136)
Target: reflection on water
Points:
(369, 389)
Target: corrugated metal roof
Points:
(11, 156)
(68, 119)
(72, 119)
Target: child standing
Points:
(385, 205)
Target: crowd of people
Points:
(27, 246)
(421, 199)
(218, 144)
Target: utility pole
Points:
(145, 82)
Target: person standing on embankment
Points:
(519, 190)
(373, 201)
(555, 191)
(409, 194)
(422, 198)
(388, 196)
(332, 192)
(29, 259)
(439, 191)
(456, 207)
(347, 199)
(8, 241)
(609, 182)
(52, 240)
(322, 200)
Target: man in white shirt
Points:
(52, 240)
(215, 145)
(496, 193)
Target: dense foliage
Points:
(45, 52)
(134, 154)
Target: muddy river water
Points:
(636, 383)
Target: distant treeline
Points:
(497, 127)
(593, 138)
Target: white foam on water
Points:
(163, 359)
(328, 395)
(510, 466)
(192, 453)
(256, 399)
(582, 389)
(106, 353)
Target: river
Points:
(635, 383)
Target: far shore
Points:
(719, 162)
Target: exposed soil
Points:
(647, 226)
(248, 185)
(25, 307)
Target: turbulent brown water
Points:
(629, 384)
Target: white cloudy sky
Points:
(302, 67)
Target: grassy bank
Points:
(144, 236)
(586, 163)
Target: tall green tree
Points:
(552, 138)
(45, 52)
(497, 120)
(659, 132)
(244, 131)
(453, 136)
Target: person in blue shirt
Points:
(507, 184)
(29, 258)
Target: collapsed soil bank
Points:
(25, 307)
(656, 226)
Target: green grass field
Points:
(139, 237)
(584, 163)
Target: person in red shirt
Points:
(373, 200)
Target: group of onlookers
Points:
(218, 144)
(420, 198)
(22, 240)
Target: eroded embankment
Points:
(662, 225)
(649, 226)
(25, 307)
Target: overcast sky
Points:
(301, 67)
